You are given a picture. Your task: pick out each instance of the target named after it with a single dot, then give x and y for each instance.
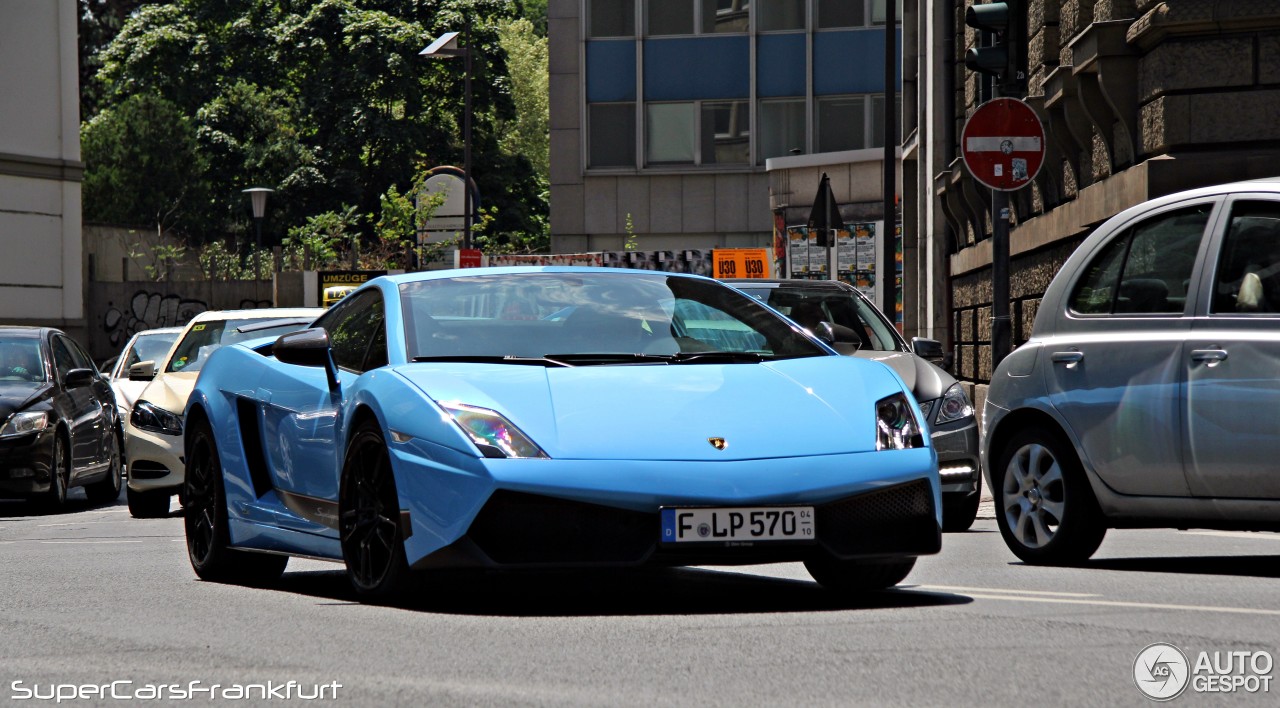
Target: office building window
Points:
(611, 18)
(669, 133)
(782, 129)
(878, 11)
(670, 17)
(774, 15)
(725, 16)
(877, 119)
(842, 123)
(842, 13)
(726, 133)
(611, 131)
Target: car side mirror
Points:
(142, 371)
(928, 349)
(79, 377)
(307, 347)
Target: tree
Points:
(527, 65)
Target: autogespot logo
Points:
(1161, 672)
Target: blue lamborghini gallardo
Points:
(553, 417)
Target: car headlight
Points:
(153, 418)
(25, 424)
(492, 433)
(896, 424)
(953, 406)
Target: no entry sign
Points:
(1003, 144)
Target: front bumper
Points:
(959, 468)
(26, 463)
(154, 460)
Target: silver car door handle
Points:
(1068, 358)
(1210, 355)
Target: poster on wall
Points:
(856, 255)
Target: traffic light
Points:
(1003, 56)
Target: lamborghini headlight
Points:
(953, 406)
(148, 416)
(896, 424)
(25, 424)
(491, 432)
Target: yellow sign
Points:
(741, 262)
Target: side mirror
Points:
(307, 347)
(928, 349)
(79, 377)
(142, 371)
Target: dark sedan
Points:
(58, 423)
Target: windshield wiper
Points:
(489, 359)
(718, 357)
(608, 358)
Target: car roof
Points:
(24, 331)
(790, 284)
(263, 313)
(158, 330)
(511, 270)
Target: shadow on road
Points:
(76, 501)
(1243, 566)
(665, 591)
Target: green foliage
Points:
(631, 243)
(535, 11)
(217, 262)
(527, 64)
(317, 244)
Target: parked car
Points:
(153, 430)
(1145, 395)
(857, 328)
(147, 345)
(60, 428)
(617, 421)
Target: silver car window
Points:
(1248, 276)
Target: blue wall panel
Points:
(697, 68)
(611, 70)
(850, 62)
(780, 65)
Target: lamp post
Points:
(446, 47)
(258, 198)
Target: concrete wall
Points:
(42, 273)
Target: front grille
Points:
(146, 469)
(892, 521)
(516, 528)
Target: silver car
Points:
(1147, 394)
(837, 313)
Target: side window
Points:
(353, 326)
(1146, 269)
(62, 357)
(1248, 277)
(82, 359)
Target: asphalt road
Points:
(91, 596)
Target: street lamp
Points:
(258, 197)
(446, 47)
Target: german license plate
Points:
(737, 524)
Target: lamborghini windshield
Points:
(568, 319)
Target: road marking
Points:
(1131, 605)
(76, 523)
(1238, 534)
(957, 588)
(87, 542)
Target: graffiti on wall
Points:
(149, 310)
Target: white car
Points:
(147, 345)
(153, 429)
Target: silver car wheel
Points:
(1033, 495)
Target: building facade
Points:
(666, 114)
(42, 276)
(1139, 98)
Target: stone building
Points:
(1139, 98)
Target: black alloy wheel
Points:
(205, 520)
(107, 490)
(369, 519)
(59, 474)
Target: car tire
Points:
(1045, 508)
(369, 519)
(960, 511)
(858, 576)
(205, 520)
(148, 505)
(60, 474)
(107, 490)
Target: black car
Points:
(58, 422)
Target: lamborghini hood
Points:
(797, 407)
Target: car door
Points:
(302, 415)
(1232, 388)
(1115, 357)
(82, 405)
